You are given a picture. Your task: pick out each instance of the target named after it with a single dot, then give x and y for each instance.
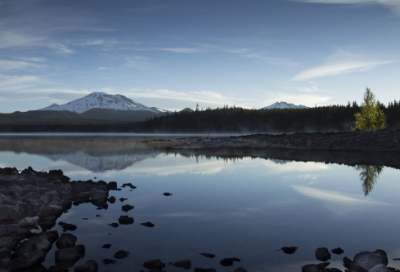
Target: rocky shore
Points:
(366, 141)
(31, 200)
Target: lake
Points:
(235, 205)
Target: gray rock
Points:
(314, 267)
(186, 264)
(50, 210)
(49, 196)
(66, 240)
(379, 268)
(127, 208)
(67, 226)
(89, 266)
(32, 252)
(29, 222)
(205, 270)
(9, 214)
(367, 260)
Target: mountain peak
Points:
(103, 101)
(284, 105)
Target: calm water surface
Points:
(232, 207)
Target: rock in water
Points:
(67, 257)
(240, 269)
(106, 246)
(368, 260)
(186, 264)
(121, 254)
(127, 208)
(147, 224)
(67, 226)
(66, 240)
(205, 270)
(125, 220)
(154, 264)
(289, 250)
(322, 254)
(114, 225)
(337, 250)
(229, 261)
(208, 255)
(109, 261)
(55, 268)
(314, 267)
(89, 266)
(167, 194)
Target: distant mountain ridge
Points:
(100, 100)
(284, 105)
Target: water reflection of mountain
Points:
(98, 164)
(97, 154)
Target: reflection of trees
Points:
(369, 176)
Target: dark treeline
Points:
(235, 119)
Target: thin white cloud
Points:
(181, 50)
(32, 59)
(8, 65)
(333, 196)
(392, 4)
(337, 69)
(270, 60)
(61, 48)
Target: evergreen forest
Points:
(235, 119)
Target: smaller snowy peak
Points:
(102, 101)
(284, 105)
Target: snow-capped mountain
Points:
(284, 105)
(102, 101)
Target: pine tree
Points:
(371, 116)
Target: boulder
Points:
(67, 226)
(314, 267)
(109, 261)
(205, 270)
(240, 269)
(111, 199)
(337, 251)
(9, 214)
(148, 224)
(322, 254)
(98, 195)
(368, 260)
(29, 222)
(89, 266)
(66, 240)
(289, 250)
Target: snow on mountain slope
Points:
(103, 101)
(284, 105)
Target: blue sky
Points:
(174, 54)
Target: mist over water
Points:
(235, 204)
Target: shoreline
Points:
(365, 141)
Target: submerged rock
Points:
(322, 254)
(66, 240)
(114, 225)
(55, 268)
(229, 261)
(128, 185)
(314, 267)
(89, 266)
(122, 199)
(154, 264)
(167, 194)
(186, 264)
(106, 246)
(109, 261)
(125, 220)
(208, 255)
(121, 254)
(67, 226)
(127, 208)
(111, 199)
(67, 257)
(147, 224)
(289, 250)
(240, 269)
(205, 270)
(337, 251)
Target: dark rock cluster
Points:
(34, 200)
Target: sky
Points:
(175, 54)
